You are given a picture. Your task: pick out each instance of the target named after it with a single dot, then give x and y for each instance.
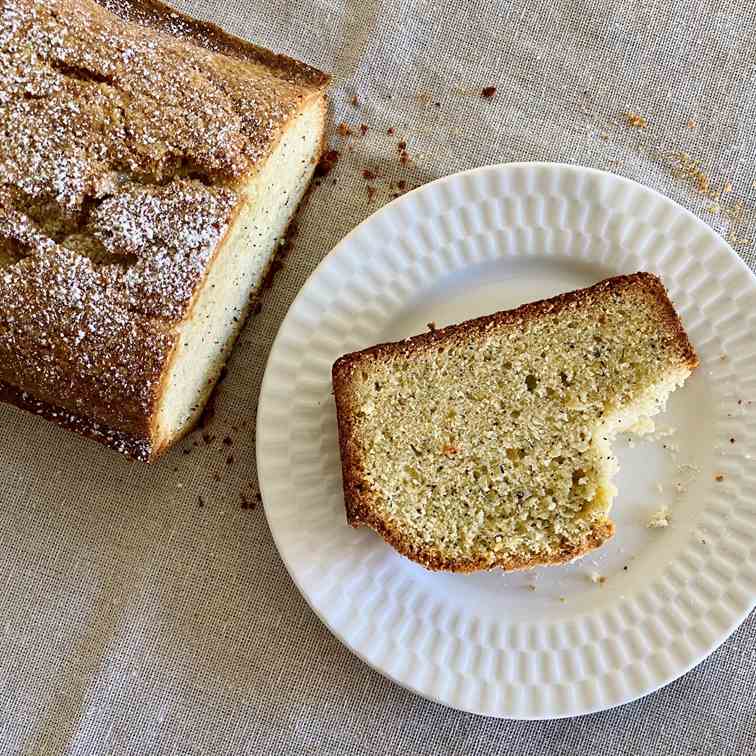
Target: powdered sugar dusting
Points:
(66, 335)
(172, 231)
(214, 39)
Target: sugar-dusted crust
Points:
(358, 496)
(157, 15)
(134, 446)
(133, 129)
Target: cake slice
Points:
(487, 444)
(153, 165)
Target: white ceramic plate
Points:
(468, 245)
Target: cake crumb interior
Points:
(496, 447)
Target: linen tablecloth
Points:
(144, 610)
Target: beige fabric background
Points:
(134, 621)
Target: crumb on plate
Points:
(659, 519)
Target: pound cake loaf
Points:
(487, 444)
(149, 167)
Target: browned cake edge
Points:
(125, 443)
(162, 17)
(358, 497)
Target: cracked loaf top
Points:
(126, 128)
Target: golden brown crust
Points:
(644, 281)
(358, 497)
(118, 184)
(434, 560)
(134, 446)
(160, 16)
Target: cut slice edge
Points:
(221, 305)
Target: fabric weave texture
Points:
(144, 610)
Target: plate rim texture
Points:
(517, 669)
